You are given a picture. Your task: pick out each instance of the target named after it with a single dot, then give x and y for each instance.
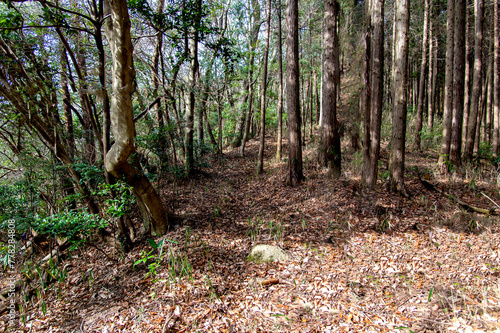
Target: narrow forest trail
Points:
(360, 260)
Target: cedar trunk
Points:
(295, 173)
(448, 87)
(458, 84)
(329, 152)
(399, 74)
(476, 85)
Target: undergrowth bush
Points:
(76, 226)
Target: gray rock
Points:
(263, 253)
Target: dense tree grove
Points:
(105, 98)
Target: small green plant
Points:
(254, 230)
(474, 225)
(304, 224)
(385, 225)
(216, 211)
(210, 287)
(187, 237)
(146, 256)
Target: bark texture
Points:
(423, 67)
(263, 88)
(122, 122)
(295, 172)
(458, 83)
(329, 151)
(448, 87)
(400, 78)
(476, 84)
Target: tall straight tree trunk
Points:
(122, 120)
(400, 78)
(260, 161)
(155, 78)
(477, 80)
(431, 85)
(458, 84)
(489, 98)
(377, 86)
(496, 79)
(280, 88)
(423, 66)
(366, 100)
(254, 35)
(467, 92)
(190, 97)
(444, 157)
(481, 119)
(329, 151)
(295, 173)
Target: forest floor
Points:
(360, 260)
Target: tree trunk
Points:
(467, 92)
(329, 152)
(377, 86)
(489, 101)
(423, 66)
(161, 149)
(431, 85)
(444, 157)
(260, 160)
(280, 88)
(496, 79)
(366, 107)
(70, 136)
(295, 173)
(476, 85)
(254, 35)
(190, 98)
(122, 121)
(458, 84)
(399, 74)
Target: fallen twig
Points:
(487, 197)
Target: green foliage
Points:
(119, 199)
(9, 18)
(76, 226)
(16, 202)
(90, 173)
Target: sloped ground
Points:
(360, 260)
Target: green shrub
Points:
(76, 226)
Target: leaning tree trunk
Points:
(295, 173)
(476, 85)
(122, 120)
(399, 73)
(448, 88)
(260, 159)
(329, 153)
